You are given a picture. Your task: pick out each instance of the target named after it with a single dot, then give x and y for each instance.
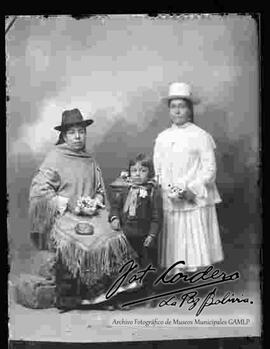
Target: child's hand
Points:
(115, 224)
(148, 241)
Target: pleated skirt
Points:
(191, 236)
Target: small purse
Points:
(84, 229)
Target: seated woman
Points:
(68, 215)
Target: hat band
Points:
(66, 125)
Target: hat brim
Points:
(192, 99)
(83, 123)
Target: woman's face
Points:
(179, 111)
(139, 174)
(75, 137)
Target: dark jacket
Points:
(147, 219)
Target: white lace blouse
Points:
(184, 156)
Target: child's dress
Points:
(184, 157)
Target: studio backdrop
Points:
(116, 70)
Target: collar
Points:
(185, 125)
(148, 185)
(66, 150)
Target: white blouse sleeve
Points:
(157, 159)
(207, 170)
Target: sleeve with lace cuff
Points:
(198, 188)
(157, 160)
(207, 170)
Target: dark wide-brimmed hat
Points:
(73, 118)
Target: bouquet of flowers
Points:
(125, 176)
(86, 206)
(175, 192)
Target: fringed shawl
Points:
(72, 175)
(67, 173)
(91, 256)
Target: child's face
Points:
(139, 174)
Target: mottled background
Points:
(116, 70)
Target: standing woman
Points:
(185, 167)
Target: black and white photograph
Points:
(133, 177)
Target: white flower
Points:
(124, 174)
(143, 193)
(85, 202)
(175, 191)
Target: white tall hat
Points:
(181, 90)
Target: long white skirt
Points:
(191, 236)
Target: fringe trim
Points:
(92, 265)
(42, 213)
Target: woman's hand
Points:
(61, 203)
(98, 202)
(189, 195)
(89, 211)
(115, 224)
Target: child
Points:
(136, 209)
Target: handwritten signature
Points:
(193, 300)
(208, 277)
